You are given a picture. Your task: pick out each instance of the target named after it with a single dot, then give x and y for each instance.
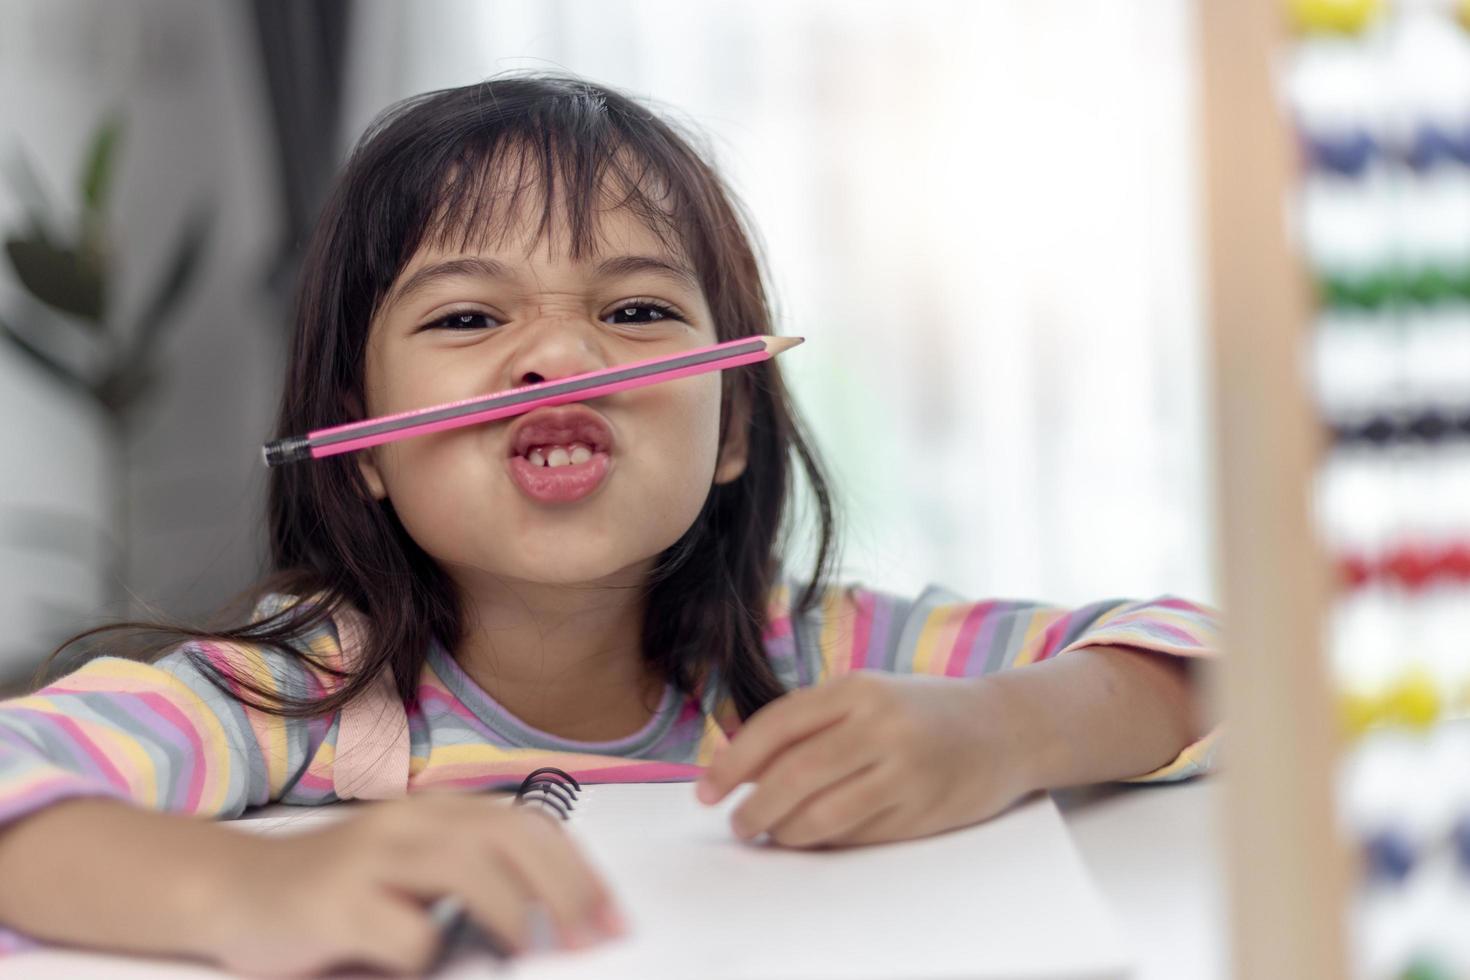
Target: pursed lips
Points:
(564, 426)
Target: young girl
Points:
(596, 586)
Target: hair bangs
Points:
(500, 182)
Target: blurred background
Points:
(983, 216)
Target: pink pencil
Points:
(517, 401)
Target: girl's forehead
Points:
(615, 233)
(513, 203)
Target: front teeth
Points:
(560, 455)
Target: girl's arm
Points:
(1002, 698)
(156, 735)
(106, 875)
(83, 760)
(870, 757)
(1101, 713)
(162, 735)
(101, 873)
(941, 634)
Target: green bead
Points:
(1431, 285)
(1460, 282)
(1353, 292)
(1332, 292)
(1393, 287)
(1425, 968)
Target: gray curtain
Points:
(302, 47)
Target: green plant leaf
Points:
(32, 194)
(43, 360)
(101, 157)
(63, 279)
(126, 386)
(188, 253)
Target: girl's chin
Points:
(570, 569)
(566, 575)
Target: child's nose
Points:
(556, 348)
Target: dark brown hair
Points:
(423, 172)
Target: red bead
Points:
(1354, 571)
(1412, 566)
(1455, 561)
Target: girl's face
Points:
(580, 493)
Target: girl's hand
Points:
(872, 757)
(358, 892)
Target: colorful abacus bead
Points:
(1359, 292)
(1358, 712)
(1412, 567)
(1354, 571)
(1348, 154)
(1460, 837)
(1413, 701)
(1432, 146)
(1431, 285)
(1378, 430)
(1455, 561)
(1388, 856)
(1334, 16)
(1430, 426)
(1426, 967)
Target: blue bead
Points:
(1461, 837)
(1389, 855)
(1430, 146)
(1348, 154)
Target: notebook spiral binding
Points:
(550, 788)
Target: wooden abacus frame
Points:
(1286, 866)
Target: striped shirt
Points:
(161, 736)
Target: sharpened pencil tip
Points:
(778, 344)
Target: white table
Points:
(1156, 854)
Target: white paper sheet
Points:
(1007, 899)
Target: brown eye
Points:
(463, 320)
(643, 312)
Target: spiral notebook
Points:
(1009, 898)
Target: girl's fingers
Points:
(493, 893)
(552, 869)
(788, 719)
(524, 848)
(395, 936)
(842, 812)
(885, 826)
(802, 772)
(498, 902)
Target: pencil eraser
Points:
(287, 450)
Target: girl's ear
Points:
(370, 474)
(365, 463)
(736, 451)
